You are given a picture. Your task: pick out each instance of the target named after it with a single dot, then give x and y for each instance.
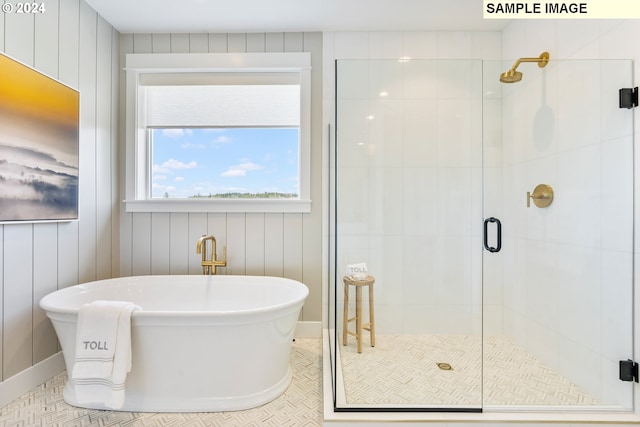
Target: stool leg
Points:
(372, 324)
(359, 317)
(345, 315)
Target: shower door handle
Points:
(498, 234)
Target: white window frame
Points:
(137, 154)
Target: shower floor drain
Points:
(444, 366)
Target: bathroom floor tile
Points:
(299, 405)
(403, 370)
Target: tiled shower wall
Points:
(71, 43)
(574, 314)
(276, 244)
(409, 177)
(568, 281)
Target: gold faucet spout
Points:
(209, 266)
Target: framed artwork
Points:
(39, 143)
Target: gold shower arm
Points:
(513, 76)
(542, 60)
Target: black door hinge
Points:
(628, 97)
(628, 370)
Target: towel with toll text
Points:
(103, 352)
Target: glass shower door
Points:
(558, 173)
(407, 173)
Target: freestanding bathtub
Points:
(199, 343)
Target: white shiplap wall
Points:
(275, 244)
(73, 44)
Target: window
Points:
(218, 132)
(219, 163)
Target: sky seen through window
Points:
(230, 162)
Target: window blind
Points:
(222, 99)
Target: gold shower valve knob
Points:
(542, 196)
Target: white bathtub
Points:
(199, 344)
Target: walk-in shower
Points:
(423, 152)
(513, 76)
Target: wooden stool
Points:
(358, 318)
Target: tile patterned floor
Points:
(512, 376)
(406, 373)
(299, 405)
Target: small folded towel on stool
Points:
(357, 271)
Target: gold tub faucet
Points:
(210, 266)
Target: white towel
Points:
(103, 352)
(357, 271)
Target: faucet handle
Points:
(542, 196)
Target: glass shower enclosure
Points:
(485, 299)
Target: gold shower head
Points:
(513, 76)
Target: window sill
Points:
(238, 205)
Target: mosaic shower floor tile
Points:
(403, 370)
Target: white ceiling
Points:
(163, 16)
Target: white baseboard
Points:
(308, 330)
(19, 384)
